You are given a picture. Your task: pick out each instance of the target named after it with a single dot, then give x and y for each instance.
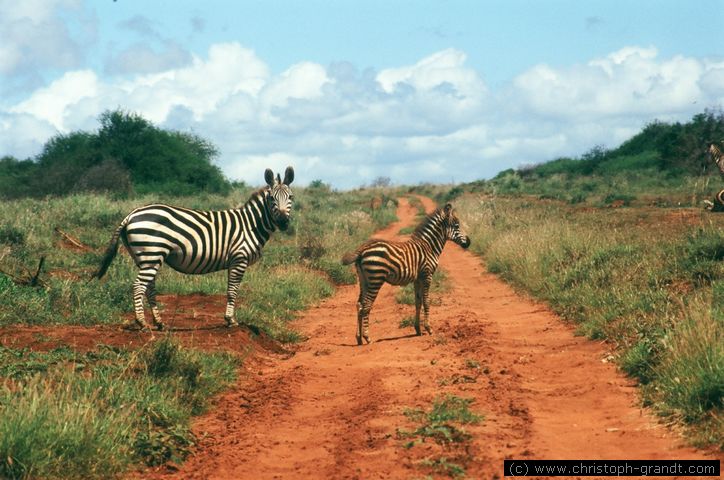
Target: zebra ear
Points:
(448, 209)
(269, 177)
(289, 176)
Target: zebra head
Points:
(452, 227)
(279, 200)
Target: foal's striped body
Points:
(401, 263)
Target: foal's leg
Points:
(367, 295)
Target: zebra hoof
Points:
(417, 331)
(231, 323)
(135, 326)
(428, 330)
(160, 326)
(367, 339)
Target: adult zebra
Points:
(400, 263)
(198, 241)
(718, 158)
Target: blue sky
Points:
(435, 91)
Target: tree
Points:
(126, 153)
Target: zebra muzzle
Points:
(282, 223)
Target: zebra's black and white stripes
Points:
(400, 263)
(197, 241)
(718, 158)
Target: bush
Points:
(126, 153)
(108, 176)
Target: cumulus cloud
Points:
(630, 81)
(34, 36)
(435, 120)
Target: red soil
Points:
(195, 320)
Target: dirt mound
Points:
(195, 320)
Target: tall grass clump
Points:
(47, 431)
(634, 277)
(69, 415)
(691, 375)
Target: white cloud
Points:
(53, 103)
(630, 81)
(34, 35)
(23, 135)
(435, 120)
(439, 69)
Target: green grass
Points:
(643, 278)
(442, 424)
(65, 414)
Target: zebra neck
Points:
(257, 218)
(433, 235)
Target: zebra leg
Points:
(418, 304)
(367, 297)
(144, 278)
(425, 282)
(151, 297)
(236, 273)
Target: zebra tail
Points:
(350, 257)
(111, 251)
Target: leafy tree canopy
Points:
(127, 153)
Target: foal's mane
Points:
(430, 219)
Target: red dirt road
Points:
(332, 409)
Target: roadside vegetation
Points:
(648, 280)
(65, 414)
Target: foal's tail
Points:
(350, 257)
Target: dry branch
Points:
(73, 241)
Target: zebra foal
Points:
(200, 241)
(400, 263)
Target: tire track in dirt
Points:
(332, 409)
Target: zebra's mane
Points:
(259, 194)
(429, 220)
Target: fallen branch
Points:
(73, 241)
(31, 280)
